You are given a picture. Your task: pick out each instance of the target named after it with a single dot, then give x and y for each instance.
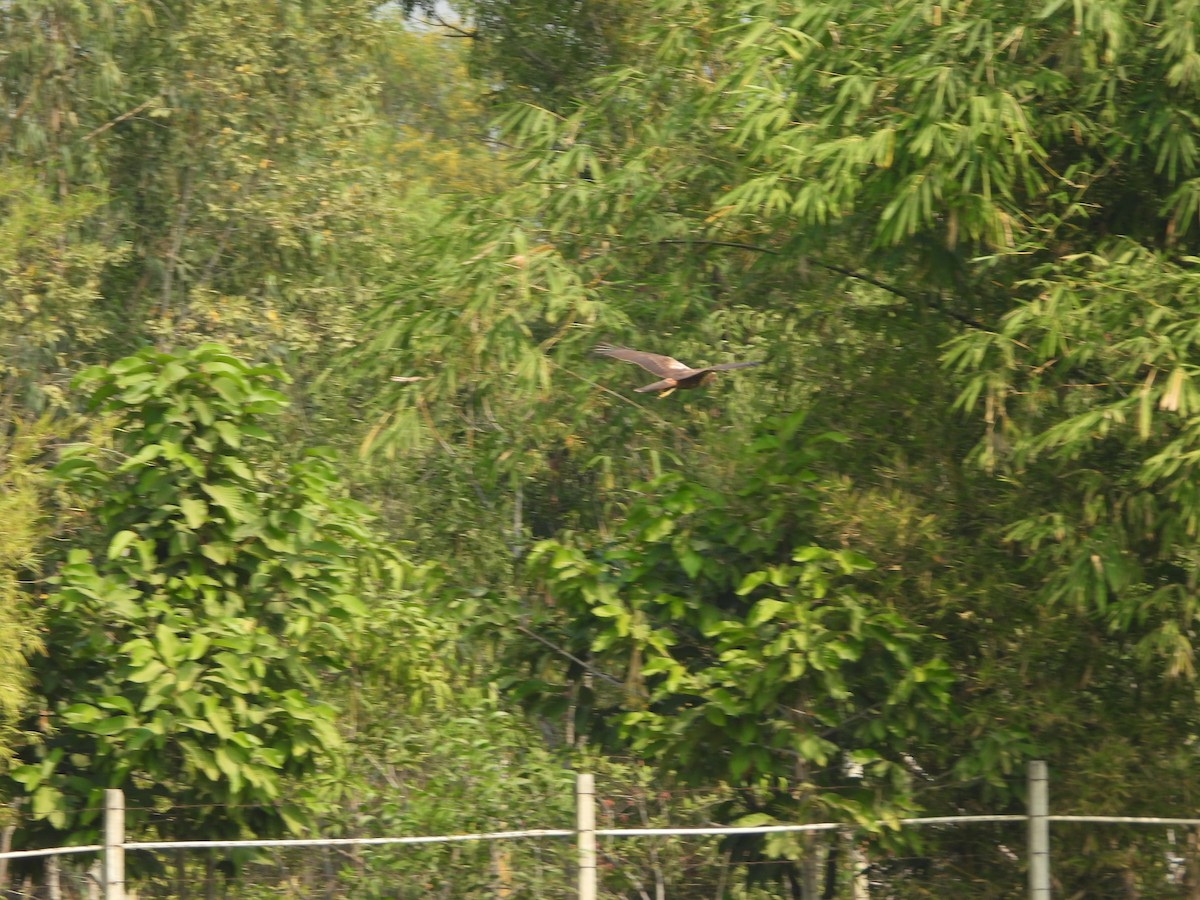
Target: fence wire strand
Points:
(651, 841)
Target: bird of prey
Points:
(674, 374)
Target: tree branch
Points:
(24, 105)
(931, 299)
(455, 30)
(231, 227)
(119, 119)
(185, 198)
(575, 659)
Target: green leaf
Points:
(47, 803)
(237, 467)
(233, 500)
(229, 433)
(151, 671)
(763, 611)
(81, 714)
(351, 604)
(230, 389)
(198, 646)
(750, 582)
(740, 762)
(229, 767)
(120, 543)
(853, 562)
(170, 373)
(658, 529)
(138, 739)
(146, 454)
(808, 554)
(112, 725)
(200, 759)
(691, 562)
(293, 817)
(195, 512)
(28, 776)
(219, 552)
(167, 643)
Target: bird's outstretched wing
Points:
(662, 366)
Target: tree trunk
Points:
(501, 868)
(181, 884)
(5, 845)
(860, 882)
(53, 868)
(832, 858)
(811, 868)
(210, 876)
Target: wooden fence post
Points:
(53, 875)
(114, 844)
(585, 828)
(860, 882)
(1039, 831)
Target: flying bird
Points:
(674, 374)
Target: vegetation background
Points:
(948, 527)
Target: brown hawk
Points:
(674, 374)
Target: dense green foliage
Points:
(745, 654)
(948, 526)
(209, 592)
(19, 543)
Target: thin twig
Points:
(620, 396)
(24, 105)
(566, 653)
(704, 242)
(231, 227)
(424, 409)
(457, 31)
(840, 270)
(185, 198)
(932, 299)
(119, 119)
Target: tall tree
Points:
(710, 634)
(965, 235)
(211, 592)
(199, 171)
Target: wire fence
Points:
(958, 855)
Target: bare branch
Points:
(567, 654)
(931, 299)
(455, 30)
(119, 119)
(172, 260)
